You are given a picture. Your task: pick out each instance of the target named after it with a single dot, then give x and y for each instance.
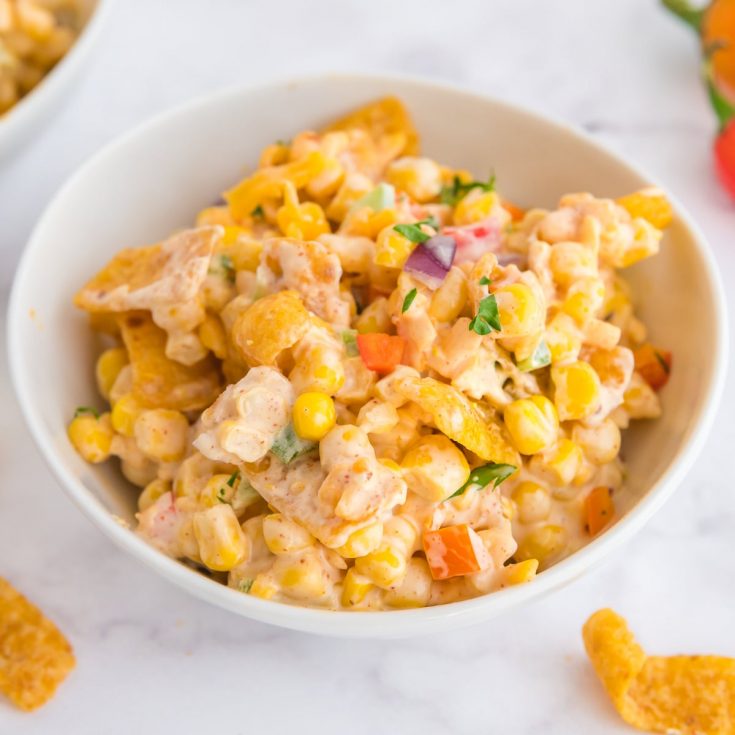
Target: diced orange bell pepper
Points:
(516, 213)
(653, 364)
(380, 352)
(453, 551)
(598, 509)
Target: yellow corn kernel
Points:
(151, 492)
(304, 580)
(414, 589)
(563, 339)
(532, 423)
(314, 415)
(561, 463)
(533, 502)
(449, 300)
(570, 261)
(34, 20)
(390, 464)
(600, 443)
(650, 204)
(354, 588)
(476, 206)
(303, 221)
(420, 178)
(222, 543)
(274, 155)
(577, 390)
(245, 253)
(283, 536)
(162, 434)
(212, 336)
(109, 365)
(435, 468)
(375, 317)
(215, 216)
(387, 564)
(523, 571)
(508, 507)
(542, 544)
(263, 587)
(125, 413)
(362, 542)
(217, 490)
(584, 299)
(392, 249)
(646, 242)
(91, 436)
(318, 369)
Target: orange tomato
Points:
(453, 551)
(380, 352)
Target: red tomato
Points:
(453, 551)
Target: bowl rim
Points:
(363, 624)
(27, 107)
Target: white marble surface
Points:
(151, 659)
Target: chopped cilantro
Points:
(487, 318)
(485, 281)
(459, 189)
(414, 233)
(410, 296)
(483, 476)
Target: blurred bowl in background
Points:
(40, 105)
(155, 179)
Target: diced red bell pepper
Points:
(381, 352)
(453, 551)
(598, 509)
(653, 364)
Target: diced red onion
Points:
(431, 260)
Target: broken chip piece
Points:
(34, 655)
(690, 695)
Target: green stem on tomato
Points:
(684, 10)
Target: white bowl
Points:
(153, 180)
(39, 106)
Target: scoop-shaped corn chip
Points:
(141, 278)
(386, 121)
(160, 382)
(34, 655)
(272, 324)
(685, 694)
(267, 182)
(460, 419)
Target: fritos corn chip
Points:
(159, 381)
(691, 695)
(34, 655)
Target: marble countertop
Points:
(151, 658)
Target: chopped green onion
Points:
(234, 477)
(541, 357)
(410, 296)
(487, 318)
(245, 585)
(459, 189)
(483, 476)
(81, 410)
(288, 445)
(383, 196)
(224, 267)
(349, 337)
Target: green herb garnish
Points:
(245, 585)
(81, 410)
(485, 281)
(459, 189)
(233, 478)
(258, 212)
(410, 296)
(487, 318)
(414, 233)
(349, 337)
(483, 476)
(288, 445)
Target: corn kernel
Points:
(577, 390)
(449, 300)
(212, 336)
(375, 317)
(651, 205)
(217, 490)
(305, 580)
(354, 588)
(600, 443)
(387, 564)
(215, 216)
(532, 423)
(162, 434)
(533, 502)
(435, 468)
(420, 178)
(362, 542)
(222, 543)
(302, 221)
(392, 249)
(125, 413)
(314, 415)
(523, 571)
(283, 536)
(263, 587)
(520, 311)
(563, 339)
(476, 206)
(152, 492)
(542, 543)
(584, 299)
(570, 261)
(91, 436)
(109, 365)
(561, 463)
(318, 369)
(414, 589)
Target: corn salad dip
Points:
(34, 36)
(366, 381)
